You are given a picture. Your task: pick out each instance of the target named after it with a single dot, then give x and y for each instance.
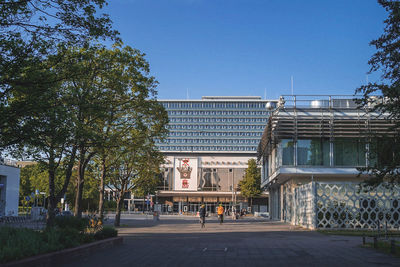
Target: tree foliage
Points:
(35, 116)
(384, 97)
(65, 99)
(35, 177)
(31, 31)
(250, 186)
(136, 168)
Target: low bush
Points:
(105, 232)
(18, 243)
(62, 238)
(110, 205)
(79, 224)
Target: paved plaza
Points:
(179, 241)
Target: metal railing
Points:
(319, 101)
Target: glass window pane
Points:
(287, 151)
(314, 152)
(349, 152)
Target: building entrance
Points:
(193, 208)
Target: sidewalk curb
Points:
(65, 255)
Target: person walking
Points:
(234, 214)
(220, 212)
(202, 215)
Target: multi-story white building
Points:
(207, 150)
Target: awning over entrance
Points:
(163, 193)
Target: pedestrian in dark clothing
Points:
(202, 214)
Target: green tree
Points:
(88, 105)
(135, 170)
(131, 108)
(36, 119)
(47, 137)
(385, 157)
(30, 31)
(25, 187)
(35, 177)
(250, 186)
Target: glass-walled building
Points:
(318, 152)
(210, 141)
(311, 150)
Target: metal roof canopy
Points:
(321, 118)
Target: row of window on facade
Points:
(263, 120)
(228, 134)
(213, 141)
(208, 148)
(212, 105)
(217, 113)
(215, 127)
(319, 152)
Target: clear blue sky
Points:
(241, 47)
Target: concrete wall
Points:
(9, 193)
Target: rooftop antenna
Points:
(291, 82)
(265, 93)
(187, 93)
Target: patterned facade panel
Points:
(299, 205)
(305, 209)
(341, 205)
(344, 205)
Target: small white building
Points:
(9, 190)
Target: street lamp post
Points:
(233, 195)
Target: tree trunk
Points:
(79, 189)
(251, 205)
(83, 161)
(118, 211)
(51, 215)
(68, 173)
(101, 195)
(52, 205)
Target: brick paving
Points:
(179, 241)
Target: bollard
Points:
(156, 216)
(375, 242)
(379, 227)
(392, 246)
(386, 229)
(363, 238)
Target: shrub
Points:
(110, 205)
(17, 243)
(79, 224)
(106, 232)
(62, 238)
(87, 238)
